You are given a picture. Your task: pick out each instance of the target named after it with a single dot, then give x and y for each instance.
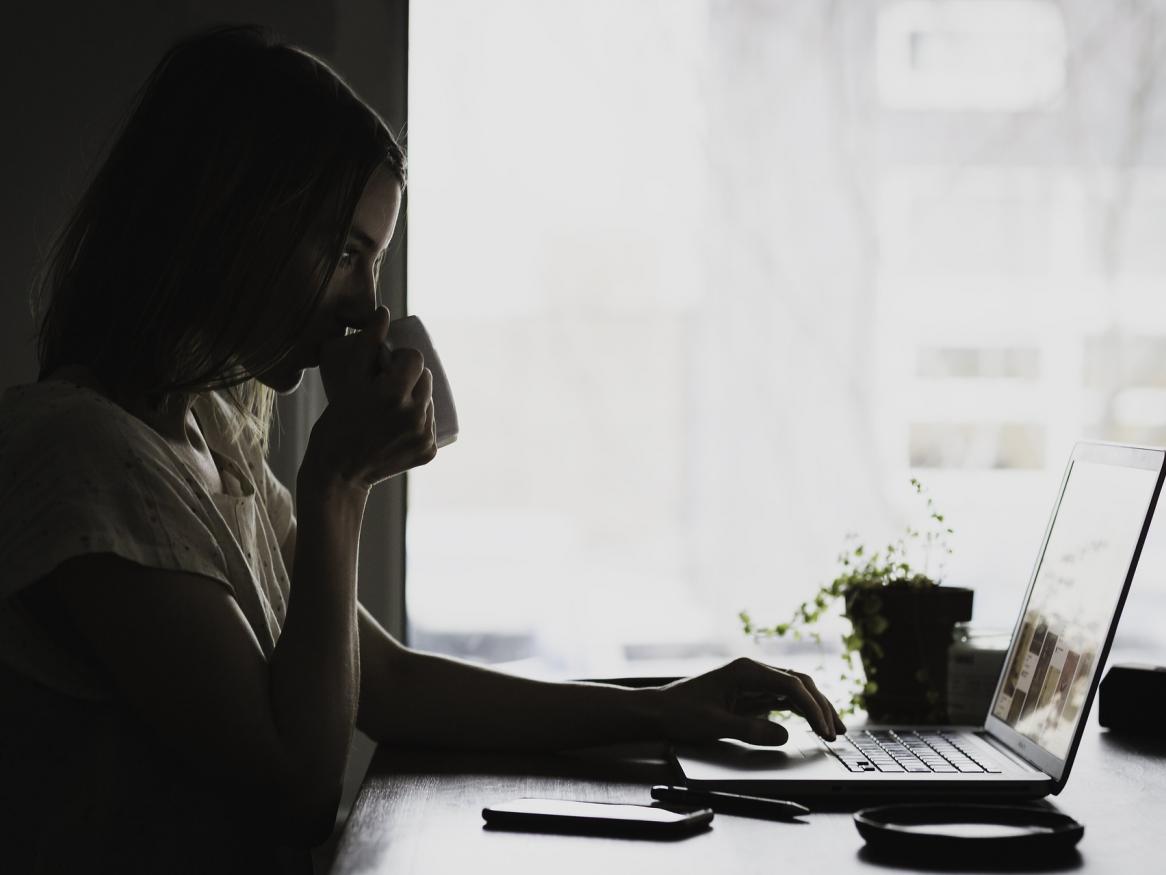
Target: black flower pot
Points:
(907, 658)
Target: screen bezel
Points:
(1099, 453)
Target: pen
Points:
(730, 803)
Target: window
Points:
(1001, 55)
(713, 280)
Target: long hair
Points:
(207, 236)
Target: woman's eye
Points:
(345, 258)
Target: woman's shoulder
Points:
(56, 437)
(61, 418)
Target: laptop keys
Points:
(886, 750)
(961, 759)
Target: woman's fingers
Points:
(371, 341)
(762, 678)
(399, 379)
(759, 703)
(431, 423)
(823, 703)
(376, 326)
(756, 704)
(423, 388)
(733, 701)
(348, 362)
(753, 730)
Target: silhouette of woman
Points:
(183, 658)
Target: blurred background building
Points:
(713, 279)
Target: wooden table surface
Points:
(420, 812)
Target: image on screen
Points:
(1078, 583)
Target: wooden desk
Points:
(420, 812)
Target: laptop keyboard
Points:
(925, 750)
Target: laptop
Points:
(1026, 745)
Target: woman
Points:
(182, 653)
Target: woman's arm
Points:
(271, 737)
(413, 698)
(315, 668)
(423, 699)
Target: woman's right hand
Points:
(379, 420)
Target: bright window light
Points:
(708, 300)
(989, 55)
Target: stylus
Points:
(730, 803)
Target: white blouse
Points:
(81, 775)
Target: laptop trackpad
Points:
(729, 760)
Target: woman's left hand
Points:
(734, 701)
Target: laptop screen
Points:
(1071, 605)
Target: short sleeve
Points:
(90, 485)
(79, 476)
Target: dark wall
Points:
(70, 70)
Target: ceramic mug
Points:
(410, 333)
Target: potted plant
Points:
(901, 622)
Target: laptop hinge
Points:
(998, 744)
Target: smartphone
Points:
(730, 803)
(595, 818)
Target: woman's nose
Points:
(359, 302)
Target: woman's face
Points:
(350, 297)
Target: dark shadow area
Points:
(627, 764)
(851, 804)
(970, 862)
(628, 834)
(1151, 744)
